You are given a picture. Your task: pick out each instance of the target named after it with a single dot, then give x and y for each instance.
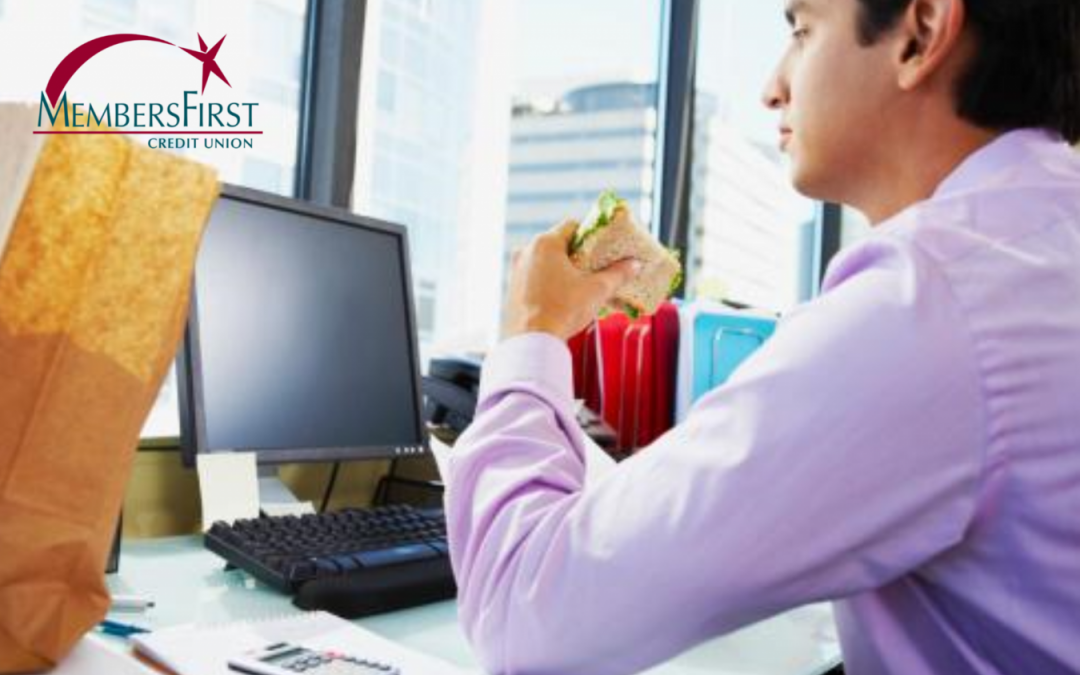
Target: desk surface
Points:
(189, 584)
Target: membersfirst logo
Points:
(160, 119)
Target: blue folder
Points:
(717, 340)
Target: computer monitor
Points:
(301, 342)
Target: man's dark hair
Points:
(1026, 69)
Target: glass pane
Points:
(751, 235)
(260, 57)
(480, 127)
(853, 227)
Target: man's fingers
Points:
(565, 230)
(615, 276)
(560, 235)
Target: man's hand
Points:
(548, 294)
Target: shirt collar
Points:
(1000, 154)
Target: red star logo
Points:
(209, 65)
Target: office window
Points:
(853, 226)
(103, 13)
(261, 57)
(264, 175)
(479, 129)
(751, 236)
(173, 21)
(387, 89)
(279, 43)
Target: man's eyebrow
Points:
(793, 9)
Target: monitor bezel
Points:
(193, 436)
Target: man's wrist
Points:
(537, 357)
(525, 326)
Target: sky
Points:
(560, 43)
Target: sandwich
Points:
(609, 234)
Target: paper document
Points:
(229, 487)
(275, 509)
(441, 452)
(95, 655)
(205, 650)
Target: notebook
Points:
(206, 649)
(96, 654)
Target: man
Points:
(907, 444)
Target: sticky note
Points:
(229, 487)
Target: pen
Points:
(120, 629)
(131, 602)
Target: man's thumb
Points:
(616, 275)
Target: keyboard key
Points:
(396, 555)
(346, 563)
(326, 567)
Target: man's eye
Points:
(799, 34)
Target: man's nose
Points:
(775, 94)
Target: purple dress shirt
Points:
(906, 445)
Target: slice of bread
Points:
(620, 238)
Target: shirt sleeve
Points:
(846, 452)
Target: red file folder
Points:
(585, 357)
(664, 350)
(638, 368)
(626, 371)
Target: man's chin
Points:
(801, 181)
(809, 183)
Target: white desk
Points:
(189, 584)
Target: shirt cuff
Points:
(536, 358)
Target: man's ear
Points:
(930, 33)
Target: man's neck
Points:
(914, 171)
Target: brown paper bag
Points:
(98, 237)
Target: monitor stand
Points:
(275, 498)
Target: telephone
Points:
(450, 391)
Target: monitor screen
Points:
(301, 342)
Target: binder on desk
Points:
(634, 368)
(609, 348)
(585, 359)
(206, 650)
(716, 340)
(647, 379)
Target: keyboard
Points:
(353, 562)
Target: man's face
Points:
(833, 96)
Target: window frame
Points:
(330, 101)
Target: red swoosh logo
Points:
(83, 53)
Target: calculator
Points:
(285, 658)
